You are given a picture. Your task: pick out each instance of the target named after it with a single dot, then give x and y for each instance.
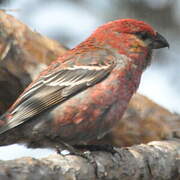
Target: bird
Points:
(82, 95)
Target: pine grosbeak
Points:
(82, 95)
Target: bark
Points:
(23, 54)
(156, 160)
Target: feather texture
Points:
(54, 88)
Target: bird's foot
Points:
(84, 151)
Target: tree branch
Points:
(156, 160)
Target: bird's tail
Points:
(9, 137)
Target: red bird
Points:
(82, 95)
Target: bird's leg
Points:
(78, 151)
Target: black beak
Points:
(159, 42)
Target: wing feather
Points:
(53, 89)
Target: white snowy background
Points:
(71, 21)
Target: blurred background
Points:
(71, 21)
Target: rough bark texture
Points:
(23, 54)
(156, 160)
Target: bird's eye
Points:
(143, 35)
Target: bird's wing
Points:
(52, 89)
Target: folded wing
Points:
(52, 89)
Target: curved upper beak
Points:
(159, 42)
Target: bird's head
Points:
(131, 37)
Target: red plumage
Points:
(83, 94)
